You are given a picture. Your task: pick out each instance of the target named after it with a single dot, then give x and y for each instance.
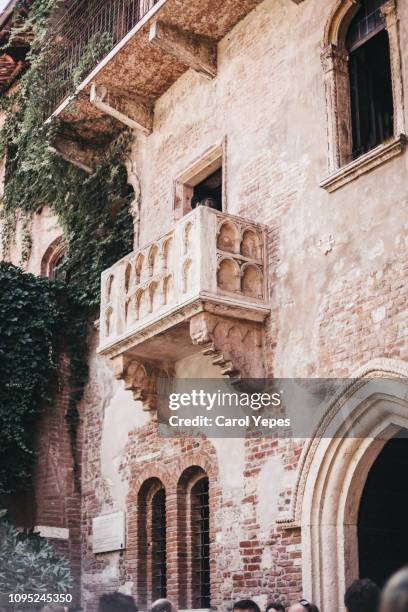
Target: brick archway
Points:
(333, 476)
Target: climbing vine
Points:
(93, 211)
(29, 320)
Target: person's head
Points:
(163, 605)
(116, 602)
(362, 596)
(395, 594)
(246, 604)
(275, 606)
(303, 606)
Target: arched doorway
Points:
(382, 528)
(334, 469)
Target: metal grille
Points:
(200, 531)
(88, 26)
(159, 577)
(365, 24)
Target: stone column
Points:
(390, 13)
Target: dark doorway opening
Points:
(382, 520)
(209, 192)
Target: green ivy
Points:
(29, 321)
(29, 564)
(96, 48)
(93, 211)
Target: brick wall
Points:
(338, 289)
(56, 488)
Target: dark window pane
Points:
(200, 531)
(365, 24)
(371, 94)
(159, 578)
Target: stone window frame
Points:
(52, 255)
(207, 163)
(334, 57)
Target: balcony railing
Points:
(86, 33)
(208, 260)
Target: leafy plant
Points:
(28, 563)
(94, 213)
(97, 47)
(28, 355)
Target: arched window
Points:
(200, 544)
(158, 545)
(52, 264)
(363, 82)
(152, 574)
(194, 539)
(371, 100)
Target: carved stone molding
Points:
(390, 14)
(376, 157)
(336, 80)
(140, 377)
(338, 22)
(234, 346)
(334, 60)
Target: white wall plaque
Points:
(108, 532)
(55, 533)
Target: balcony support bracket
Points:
(234, 346)
(136, 114)
(70, 159)
(197, 52)
(140, 377)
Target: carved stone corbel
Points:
(234, 346)
(140, 377)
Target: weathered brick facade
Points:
(337, 282)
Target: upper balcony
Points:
(202, 286)
(114, 58)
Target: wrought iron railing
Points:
(86, 33)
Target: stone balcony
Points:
(114, 58)
(200, 287)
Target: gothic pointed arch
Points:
(53, 258)
(333, 470)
